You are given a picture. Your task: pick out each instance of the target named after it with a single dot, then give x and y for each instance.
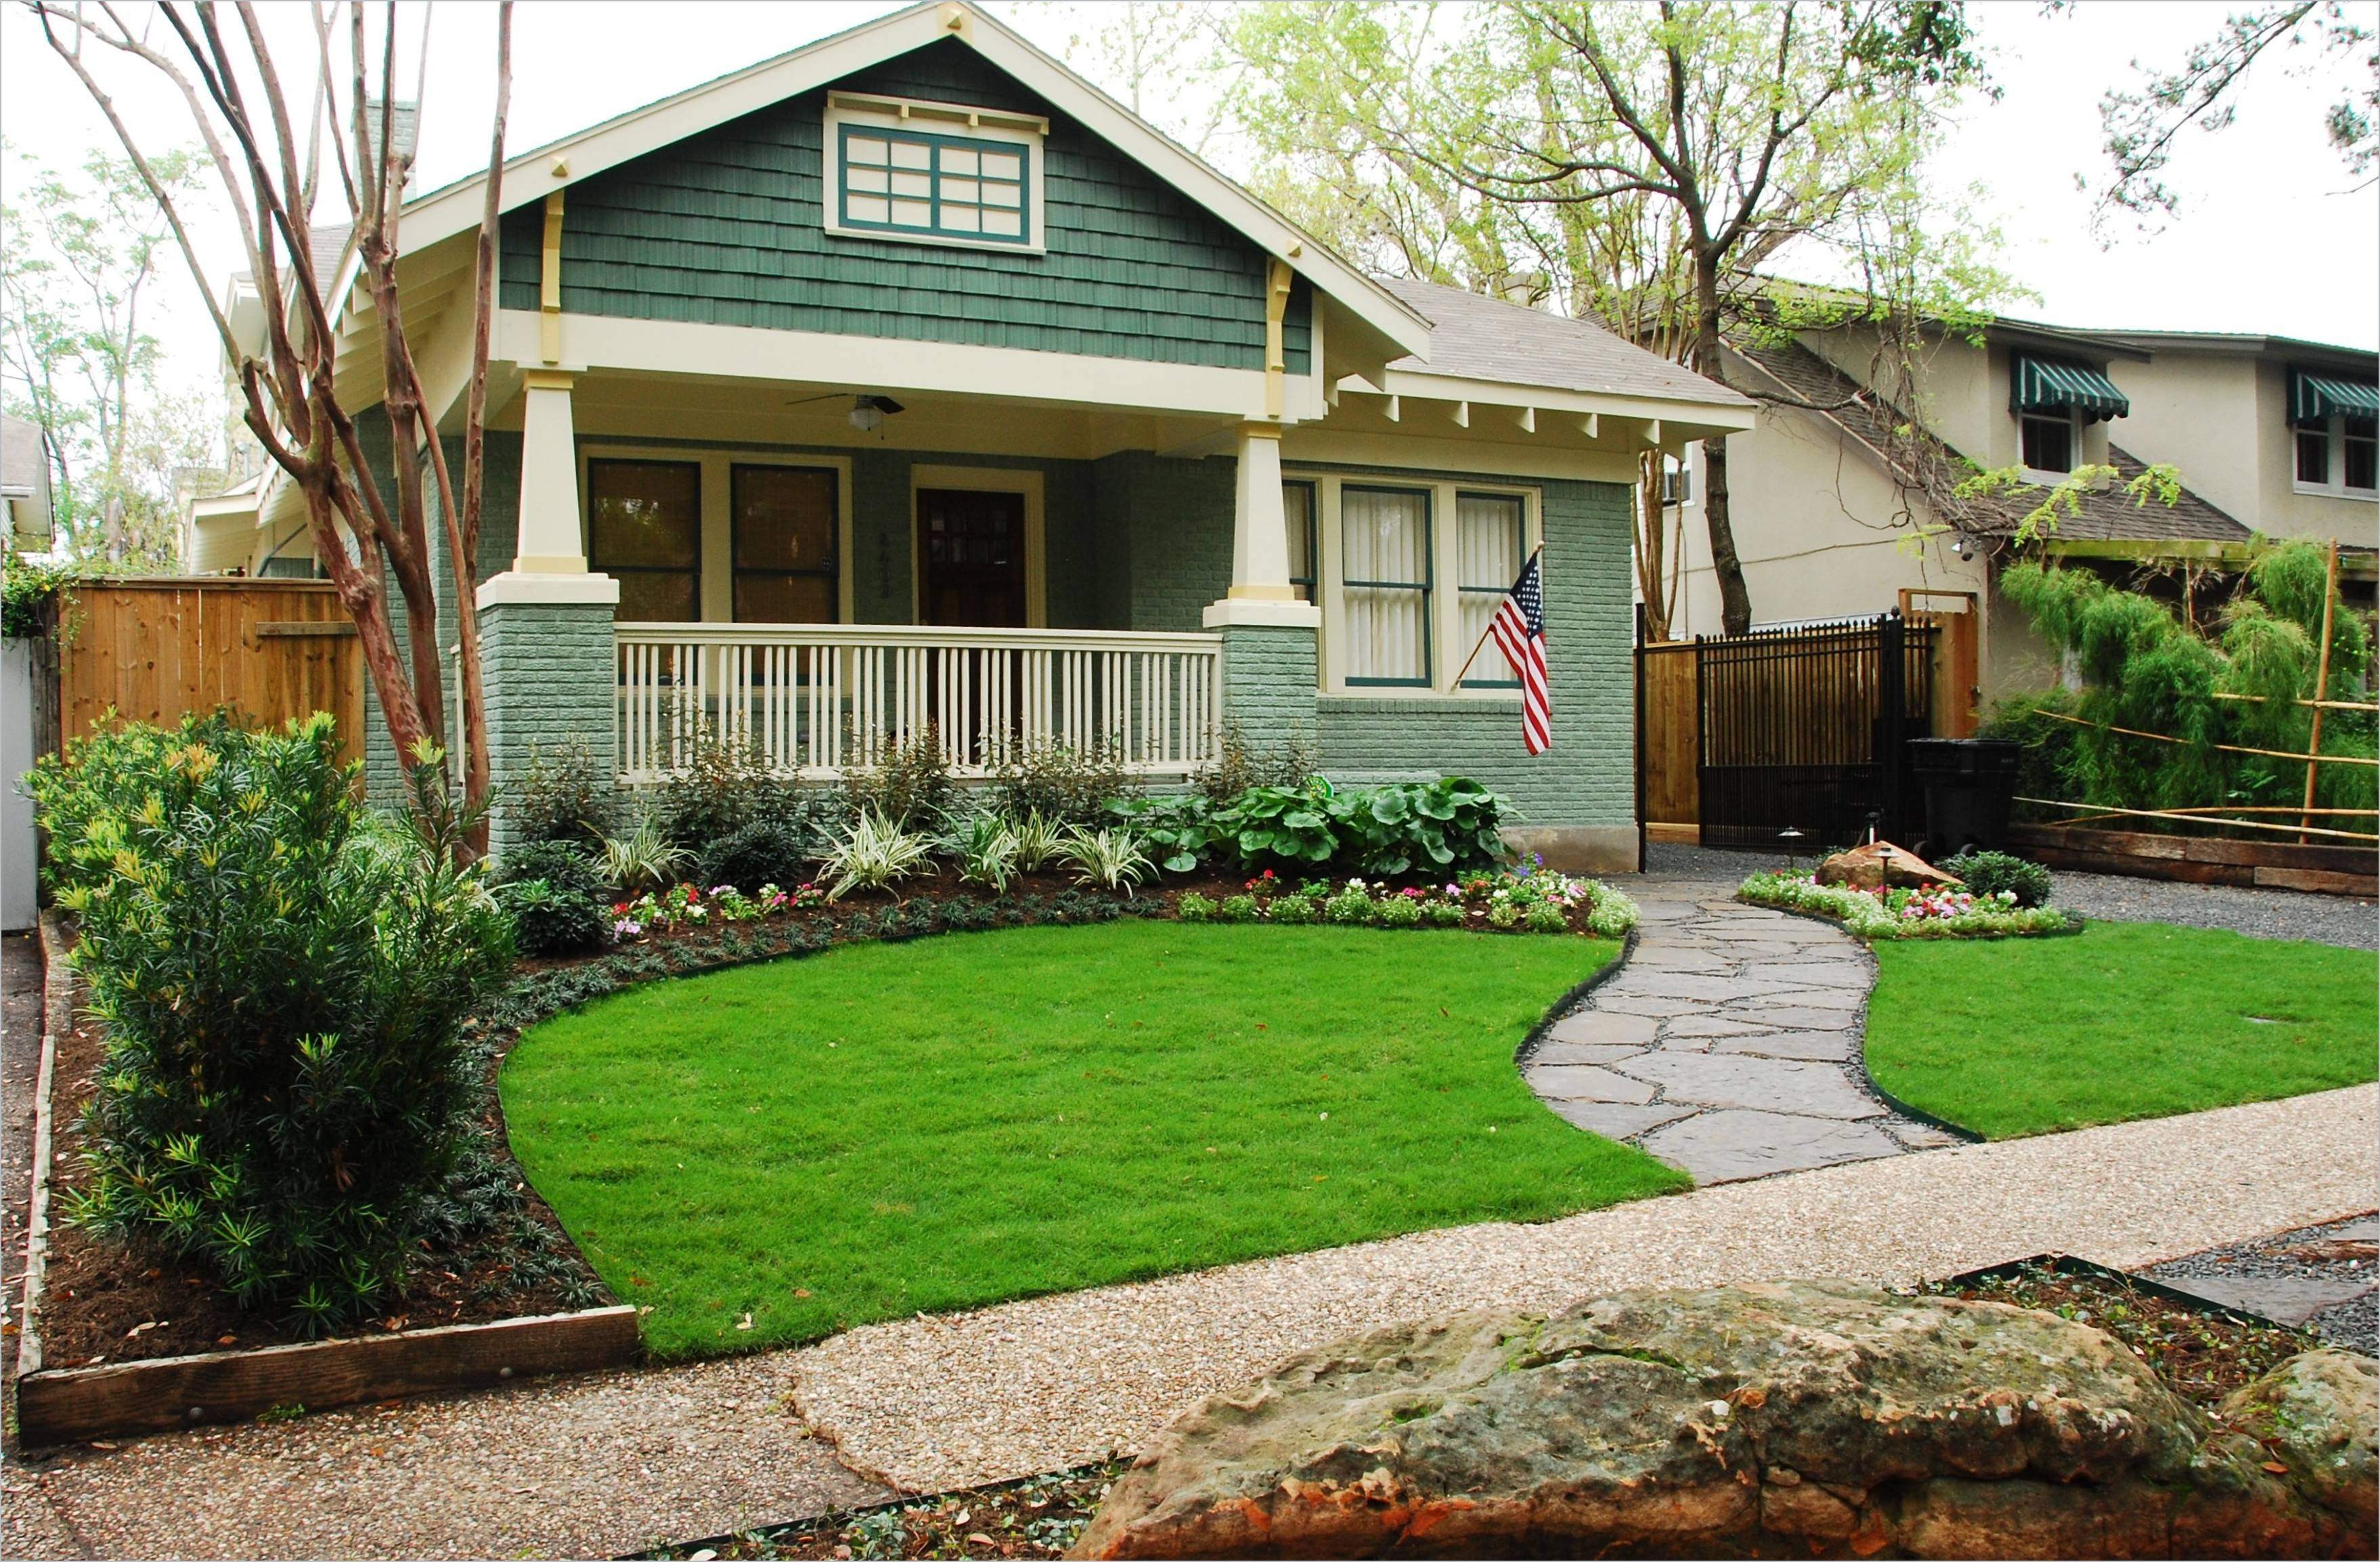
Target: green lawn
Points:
(2129, 1019)
(891, 1128)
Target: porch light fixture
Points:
(868, 411)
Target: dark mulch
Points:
(1039, 1517)
(2199, 1355)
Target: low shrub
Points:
(283, 995)
(1441, 913)
(1239, 765)
(1296, 909)
(1352, 906)
(910, 788)
(1193, 907)
(1504, 915)
(1543, 918)
(564, 796)
(766, 851)
(1063, 784)
(1240, 908)
(721, 787)
(557, 897)
(1987, 873)
(1399, 911)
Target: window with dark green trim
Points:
(1385, 583)
(1490, 540)
(950, 187)
(1298, 503)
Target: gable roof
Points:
(530, 176)
(1912, 455)
(1475, 337)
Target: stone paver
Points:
(1728, 1045)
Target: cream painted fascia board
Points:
(530, 176)
(1486, 458)
(661, 347)
(1027, 482)
(1725, 409)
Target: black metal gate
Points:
(1805, 727)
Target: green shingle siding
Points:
(728, 227)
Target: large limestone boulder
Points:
(1805, 1418)
(2319, 1414)
(1881, 865)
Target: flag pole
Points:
(1481, 644)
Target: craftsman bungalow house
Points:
(907, 378)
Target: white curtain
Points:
(1488, 552)
(1297, 513)
(1384, 558)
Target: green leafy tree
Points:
(1642, 165)
(81, 282)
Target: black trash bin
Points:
(1968, 782)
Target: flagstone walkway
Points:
(1728, 1045)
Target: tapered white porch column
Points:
(1261, 593)
(546, 649)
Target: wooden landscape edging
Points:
(74, 1404)
(2324, 870)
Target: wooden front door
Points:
(971, 548)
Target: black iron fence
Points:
(1805, 727)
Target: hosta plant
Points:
(875, 853)
(282, 1001)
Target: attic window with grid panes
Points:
(933, 172)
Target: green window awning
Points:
(2313, 397)
(2043, 384)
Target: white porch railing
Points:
(819, 699)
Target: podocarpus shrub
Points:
(109, 770)
(283, 995)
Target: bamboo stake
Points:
(2201, 819)
(2310, 704)
(2321, 686)
(2217, 812)
(2226, 748)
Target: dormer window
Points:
(2053, 398)
(933, 172)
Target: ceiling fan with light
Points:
(868, 410)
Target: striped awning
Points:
(2316, 396)
(2043, 384)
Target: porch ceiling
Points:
(721, 410)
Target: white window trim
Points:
(716, 589)
(2336, 433)
(1447, 646)
(894, 114)
(2042, 477)
(1025, 480)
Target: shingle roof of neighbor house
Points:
(2107, 514)
(1474, 336)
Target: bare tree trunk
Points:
(1652, 539)
(1735, 599)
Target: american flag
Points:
(1520, 630)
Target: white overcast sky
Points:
(2271, 236)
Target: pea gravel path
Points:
(931, 1403)
(1728, 1045)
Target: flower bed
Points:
(1532, 900)
(1874, 914)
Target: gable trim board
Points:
(455, 209)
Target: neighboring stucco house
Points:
(1845, 495)
(907, 379)
(25, 484)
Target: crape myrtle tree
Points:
(1635, 164)
(293, 150)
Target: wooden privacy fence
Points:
(152, 649)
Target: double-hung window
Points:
(783, 536)
(938, 173)
(2336, 455)
(1385, 575)
(1490, 540)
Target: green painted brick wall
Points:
(1269, 684)
(549, 675)
(1588, 776)
(727, 228)
(1164, 537)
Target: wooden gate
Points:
(1670, 746)
(151, 650)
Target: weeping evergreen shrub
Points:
(2142, 667)
(282, 986)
